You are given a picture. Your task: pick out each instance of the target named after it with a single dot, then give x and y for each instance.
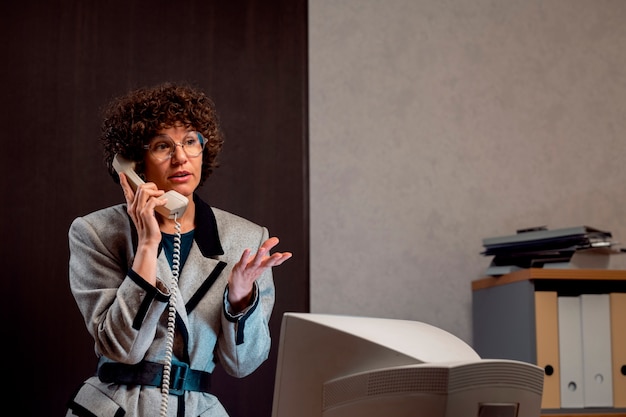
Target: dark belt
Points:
(182, 378)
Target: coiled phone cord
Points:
(171, 321)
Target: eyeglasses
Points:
(162, 147)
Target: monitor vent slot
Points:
(385, 382)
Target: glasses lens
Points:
(163, 147)
(193, 145)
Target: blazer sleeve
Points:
(121, 311)
(244, 343)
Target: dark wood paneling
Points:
(62, 60)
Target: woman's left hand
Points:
(249, 269)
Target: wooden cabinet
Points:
(515, 316)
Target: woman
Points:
(166, 298)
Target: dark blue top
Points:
(186, 239)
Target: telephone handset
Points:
(176, 202)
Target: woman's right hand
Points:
(140, 208)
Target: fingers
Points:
(282, 257)
(277, 258)
(262, 259)
(129, 194)
(268, 245)
(144, 198)
(245, 256)
(141, 205)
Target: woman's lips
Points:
(181, 176)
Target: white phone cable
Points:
(171, 321)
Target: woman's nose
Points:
(179, 153)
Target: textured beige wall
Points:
(436, 123)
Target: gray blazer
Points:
(127, 317)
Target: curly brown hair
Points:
(132, 120)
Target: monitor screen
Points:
(341, 366)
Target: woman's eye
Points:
(162, 146)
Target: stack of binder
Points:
(585, 350)
(583, 341)
(539, 247)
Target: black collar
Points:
(206, 235)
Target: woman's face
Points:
(180, 172)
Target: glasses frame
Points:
(181, 144)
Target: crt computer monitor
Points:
(343, 366)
